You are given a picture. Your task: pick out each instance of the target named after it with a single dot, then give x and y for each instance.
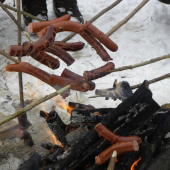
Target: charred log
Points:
(86, 116)
(87, 145)
(80, 106)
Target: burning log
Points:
(88, 116)
(88, 145)
(32, 163)
(57, 126)
(80, 106)
(76, 135)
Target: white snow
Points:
(142, 38)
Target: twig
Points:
(94, 18)
(152, 81)
(32, 105)
(9, 57)
(138, 64)
(127, 18)
(19, 58)
(15, 21)
(112, 161)
(22, 12)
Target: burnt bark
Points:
(91, 141)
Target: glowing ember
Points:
(64, 105)
(135, 164)
(55, 141)
(97, 114)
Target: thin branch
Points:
(19, 58)
(152, 81)
(15, 21)
(95, 17)
(9, 57)
(32, 105)
(127, 18)
(22, 12)
(137, 65)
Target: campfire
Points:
(128, 137)
(136, 130)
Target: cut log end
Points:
(30, 28)
(135, 145)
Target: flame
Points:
(97, 114)
(64, 105)
(135, 164)
(55, 141)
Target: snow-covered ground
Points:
(142, 38)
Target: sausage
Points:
(16, 50)
(120, 147)
(29, 69)
(99, 72)
(111, 137)
(62, 54)
(96, 45)
(41, 56)
(69, 74)
(76, 46)
(37, 26)
(59, 82)
(63, 26)
(46, 41)
(103, 38)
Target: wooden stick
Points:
(9, 57)
(16, 22)
(32, 105)
(112, 161)
(22, 12)
(19, 58)
(95, 17)
(152, 81)
(138, 64)
(127, 18)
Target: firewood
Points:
(112, 161)
(91, 140)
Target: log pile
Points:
(136, 129)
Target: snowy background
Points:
(142, 38)
(145, 36)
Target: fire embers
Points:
(56, 125)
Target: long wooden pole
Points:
(127, 18)
(32, 105)
(22, 12)
(16, 22)
(95, 17)
(19, 58)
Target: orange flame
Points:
(135, 164)
(64, 105)
(55, 141)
